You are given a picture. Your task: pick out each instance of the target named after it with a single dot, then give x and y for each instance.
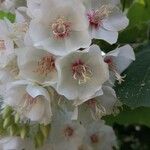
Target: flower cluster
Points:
(55, 84)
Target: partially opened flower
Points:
(105, 19)
(105, 104)
(30, 101)
(100, 136)
(37, 65)
(62, 27)
(81, 74)
(118, 60)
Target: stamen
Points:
(97, 16)
(119, 77)
(113, 68)
(46, 65)
(81, 72)
(61, 28)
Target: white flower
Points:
(37, 65)
(105, 19)
(62, 28)
(100, 136)
(30, 101)
(34, 8)
(105, 104)
(81, 74)
(118, 60)
(66, 134)
(15, 143)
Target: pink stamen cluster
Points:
(94, 19)
(61, 28)
(46, 65)
(81, 72)
(68, 132)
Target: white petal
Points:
(109, 36)
(77, 40)
(37, 111)
(108, 99)
(118, 20)
(38, 31)
(35, 91)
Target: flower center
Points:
(46, 65)
(113, 68)
(2, 45)
(97, 16)
(61, 28)
(68, 132)
(81, 72)
(94, 138)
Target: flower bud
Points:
(7, 122)
(6, 112)
(39, 139)
(17, 118)
(45, 130)
(12, 130)
(24, 131)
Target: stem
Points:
(124, 5)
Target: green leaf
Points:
(7, 15)
(104, 46)
(128, 116)
(139, 12)
(134, 34)
(126, 3)
(135, 91)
